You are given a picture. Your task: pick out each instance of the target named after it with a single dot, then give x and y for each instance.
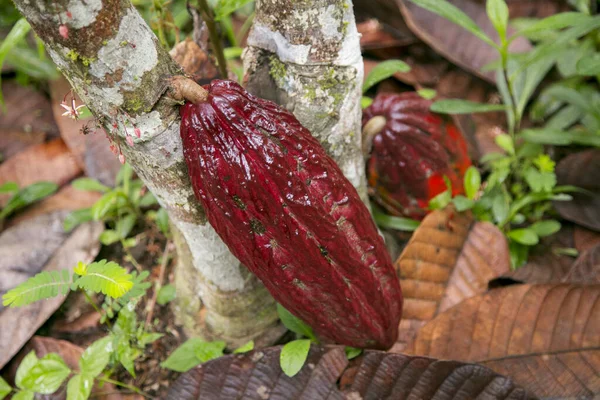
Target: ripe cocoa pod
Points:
(412, 150)
(286, 211)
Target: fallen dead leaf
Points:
(27, 110)
(586, 269)
(546, 337)
(449, 258)
(14, 141)
(585, 239)
(34, 252)
(195, 62)
(373, 375)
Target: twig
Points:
(161, 275)
(126, 386)
(215, 40)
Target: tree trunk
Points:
(117, 66)
(305, 55)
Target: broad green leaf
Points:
(29, 361)
(497, 12)
(545, 228)
(109, 237)
(9, 187)
(559, 137)
(506, 143)
(90, 184)
(191, 353)
(125, 225)
(524, 236)
(245, 348)
(472, 182)
(210, 350)
(383, 71)
(127, 355)
(500, 208)
(295, 324)
(556, 21)
(104, 205)
(96, 357)
(293, 356)
(24, 395)
(457, 106)
(392, 222)
(427, 94)
(589, 65)
(225, 7)
(76, 218)
(162, 221)
(149, 337)
(148, 200)
(16, 34)
(462, 203)
(573, 97)
(28, 61)
(518, 254)
(166, 294)
(352, 352)
(455, 15)
(27, 196)
(108, 278)
(46, 376)
(79, 387)
(5, 388)
(365, 102)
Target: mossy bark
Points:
(118, 68)
(305, 55)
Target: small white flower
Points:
(72, 110)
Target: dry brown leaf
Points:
(27, 110)
(582, 170)
(585, 239)
(374, 375)
(454, 42)
(551, 331)
(13, 141)
(536, 8)
(449, 258)
(587, 267)
(195, 62)
(19, 324)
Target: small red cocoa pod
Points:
(412, 150)
(286, 211)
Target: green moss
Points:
(73, 56)
(277, 69)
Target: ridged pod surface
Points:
(286, 211)
(412, 153)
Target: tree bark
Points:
(117, 66)
(305, 55)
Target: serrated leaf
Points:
(383, 71)
(524, 236)
(457, 106)
(28, 362)
(105, 277)
(79, 387)
(455, 15)
(90, 184)
(96, 357)
(44, 285)
(294, 323)
(166, 294)
(245, 348)
(293, 355)
(47, 375)
(5, 388)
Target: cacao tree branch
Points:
(305, 55)
(119, 69)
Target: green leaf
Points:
(556, 21)
(44, 285)
(24, 395)
(79, 387)
(16, 34)
(226, 7)
(104, 205)
(383, 71)
(295, 324)
(147, 338)
(245, 348)
(545, 228)
(96, 357)
(148, 200)
(352, 352)
(28, 362)
(166, 294)
(232, 52)
(455, 15)
(28, 61)
(162, 221)
(500, 207)
(443, 199)
(210, 350)
(90, 184)
(124, 175)
(105, 277)
(472, 182)
(524, 236)
(5, 388)
(457, 106)
(392, 222)
(506, 143)
(518, 254)
(497, 12)
(127, 355)
(27, 196)
(589, 65)
(76, 218)
(191, 353)
(293, 356)
(573, 97)
(46, 376)
(559, 137)
(365, 102)
(125, 225)
(427, 94)
(566, 251)
(462, 203)
(109, 237)
(9, 187)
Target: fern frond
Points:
(139, 289)
(106, 277)
(44, 285)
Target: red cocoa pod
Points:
(411, 153)
(286, 211)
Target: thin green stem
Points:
(98, 310)
(215, 39)
(126, 386)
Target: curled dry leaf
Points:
(581, 169)
(546, 337)
(454, 42)
(373, 375)
(449, 258)
(54, 251)
(195, 62)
